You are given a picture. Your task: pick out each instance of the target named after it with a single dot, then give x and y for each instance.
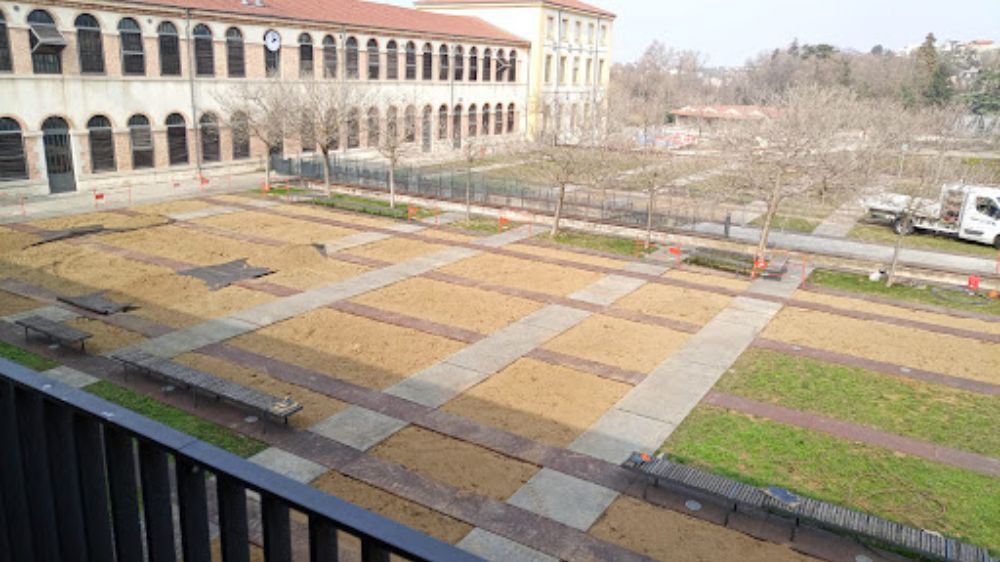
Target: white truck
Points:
(969, 212)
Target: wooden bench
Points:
(196, 381)
(55, 331)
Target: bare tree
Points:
(260, 110)
(398, 140)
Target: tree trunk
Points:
(765, 231)
(468, 193)
(891, 277)
(559, 209)
(392, 184)
(326, 170)
(267, 170)
(649, 216)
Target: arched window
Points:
(411, 61)
(512, 66)
(170, 51)
(204, 51)
(177, 147)
(6, 64)
(443, 63)
(443, 122)
(510, 118)
(428, 62)
(13, 164)
(456, 127)
(240, 126)
(392, 125)
(410, 124)
(102, 144)
(141, 136)
(391, 61)
(473, 64)
(272, 59)
(307, 135)
(373, 59)
(89, 44)
(498, 120)
(351, 53)
(486, 119)
(459, 63)
(46, 43)
(133, 56)
(209, 126)
(425, 129)
(235, 57)
(353, 128)
(501, 66)
(373, 127)
(473, 120)
(487, 65)
(329, 57)
(306, 65)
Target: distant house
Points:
(699, 116)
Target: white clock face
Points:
(272, 41)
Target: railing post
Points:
(93, 487)
(233, 520)
(155, 478)
(37, 477)
(59, 437)
(277, 530)
(322, 540)
(194, 511)
(372, 551)
(15, 502)
(124, 497)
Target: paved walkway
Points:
(841, 221)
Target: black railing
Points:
(83, 479)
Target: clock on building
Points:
(272, 41)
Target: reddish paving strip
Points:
(919, 307)
(136, 255)
(854, 432)
(873, 317)
(878, 366)
(587, 366)
(404, 321)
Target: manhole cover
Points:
(692, 505)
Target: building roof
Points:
(356, 13)
(730, 112)
(569, 4)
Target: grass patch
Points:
(207, 431)
(883, 234)
(376, 207)
(601, 243)
(861, 284)
(731, 262)
(788, 222)
(957, 502)
(26, 358)
(278, 191)
(482, 225)
(934, 413)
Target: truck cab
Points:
(980, 220)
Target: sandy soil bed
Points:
(395, 250)
(268, 225)
(464, 307)
(316, 407)
(180, 301)
(173, 207)
(315, 274)
(914, 348)
(578, 257)
(523, 274)
(667, 535)
(71, 269)
(107, 338)
(108, 220)
(14, 241)
(468, 467)
(544, 402)
(14, 304)
(706, 277)
(351, 348)
(394, 507)
(198, 248)
(899, 312)
(622, 343)
(689, 305)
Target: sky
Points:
(731, 31)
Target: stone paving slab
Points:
(70, 376)
(353, 241)
(607, 290)
(203, 213)
(436, 384)
(509, 237)
(563, 498)
(196, 337)
(288, 464)
(618, 433)
(52, 313)
(647, 268)
(554, 318)
(406, 227)
(358, 427)
(495, 548)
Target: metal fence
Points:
(675, 209)
(82, 479)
